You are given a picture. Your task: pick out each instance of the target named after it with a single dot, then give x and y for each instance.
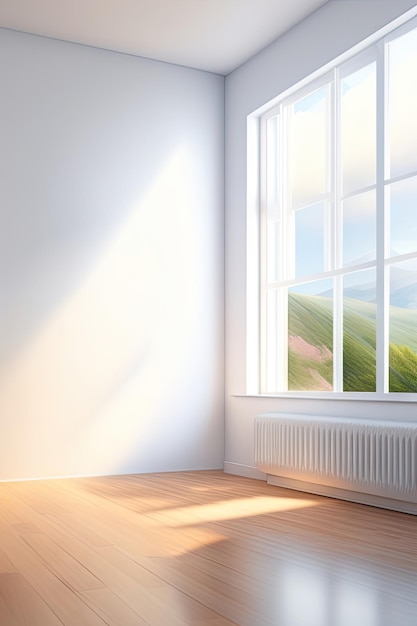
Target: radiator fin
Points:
(368, 456)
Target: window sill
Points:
(410, 398)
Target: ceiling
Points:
(212, 35)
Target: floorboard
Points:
(199, 549)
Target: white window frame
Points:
(372, 50)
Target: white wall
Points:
(327, 33)
(111, 262)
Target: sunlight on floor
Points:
(231, 509)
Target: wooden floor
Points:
(199, 548)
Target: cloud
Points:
(309, 144)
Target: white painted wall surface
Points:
(111, 262)
(327, 33)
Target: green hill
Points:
(311, 318)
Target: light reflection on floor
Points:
(288, 576)
(230, 509)
(209, 544)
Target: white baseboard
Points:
(343, 494)
(70, 477)
(243, 470)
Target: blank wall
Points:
(111, 262)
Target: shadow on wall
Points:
(92, 346)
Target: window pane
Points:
(272, 164)
(271, 344)
(402, 104)
(308, 147)
(310, 336)
(272, 198)
(272, 247)
(403, 327)
(359, 228)
(359, 331)
(402, 203)
(358, 129)
(309, 240)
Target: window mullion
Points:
(282, 355)
(336, 186)
(382, 292)
(263, 258)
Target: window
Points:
(338, 228)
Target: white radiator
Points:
(357, 455)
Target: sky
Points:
(309, 157)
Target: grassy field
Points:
(311, 318)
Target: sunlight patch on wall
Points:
(89, 385)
